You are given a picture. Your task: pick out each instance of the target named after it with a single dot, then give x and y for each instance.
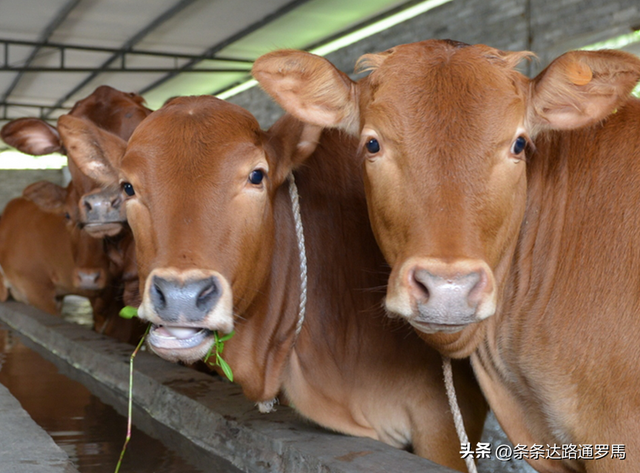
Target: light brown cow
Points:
(529, 261)
(208, 202)
(42, 260)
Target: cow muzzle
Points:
(102, 213)
(88, 279)
(185, 308)
(438, 296)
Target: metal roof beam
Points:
(44, 37)
(7, 106)
(122, 68)
(118, 52)
(213, 50)
(128, 45)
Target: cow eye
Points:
(372, 146)
(518, 145)
(128, 189)
(256, 176)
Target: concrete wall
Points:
(546, 27)
(13, 181)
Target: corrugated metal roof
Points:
(50, 71)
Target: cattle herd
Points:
(443, 205)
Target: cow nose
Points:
(452, 293)
(89, 279)
(192, 299)
(102, 207)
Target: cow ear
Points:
(310, 88)
(48, 196)
(291, 142)
(94, 151)
(581, 88)
(31, 136)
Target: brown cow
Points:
(42, 261)
(528, 261)
(208, 202)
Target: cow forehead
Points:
(444, 90)
(112, 110)
(193, 136)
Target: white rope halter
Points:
(295, 207)
(268, 406)
(455, 410)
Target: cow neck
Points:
(268, 406)
(267, 330)
(528, 290)
(266, 355)
(530, 279)
(489, 360)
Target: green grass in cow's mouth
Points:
(129, 312)
(218, 346)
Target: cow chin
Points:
(426, 327)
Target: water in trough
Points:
(89, 430)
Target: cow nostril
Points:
(158, 297)
(207, 296)
(420, 283)
(422, 288)
(87, 205)
(115, 203)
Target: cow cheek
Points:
(140, 222)
(385, 207)
(252, 259)
(503, 216)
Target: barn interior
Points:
(57, 52)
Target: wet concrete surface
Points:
(81, 421)
(24, 446)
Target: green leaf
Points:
(128, 312)
(208, 355)
(226, 337)
(218, 346)
(226, 369)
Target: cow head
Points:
(97, 206)
(446, 130)
(91, 265)
(200, 180)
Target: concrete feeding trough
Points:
(204, 413)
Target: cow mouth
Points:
(431, 327)
(173, 337)
(103, 229)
